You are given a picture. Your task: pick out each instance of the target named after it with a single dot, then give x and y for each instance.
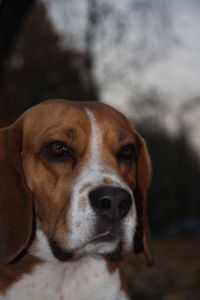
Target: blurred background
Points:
(142, 57)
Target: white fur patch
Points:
(41, 248)
(94, 172)
(87, 278)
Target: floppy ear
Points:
(16, 208)
(143, 175)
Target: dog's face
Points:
(87, 169)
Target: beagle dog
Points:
(73, 184)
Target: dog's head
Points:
(81, 172)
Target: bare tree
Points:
(121, 38)
(39, 68)
(12, 14)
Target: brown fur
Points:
(16, 207)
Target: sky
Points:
(158, 49)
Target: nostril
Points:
(99, 201)
(125, 204)
(104, 203)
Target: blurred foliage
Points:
(174, 276)
(39, 68)
(174, 206)
(12, 14)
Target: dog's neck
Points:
(89, 277)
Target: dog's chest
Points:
(85, 279)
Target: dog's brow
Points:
(71, 133)
(121, 135)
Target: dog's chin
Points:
(111, 251)
(59, 252)
(116, 254)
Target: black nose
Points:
(111, 203)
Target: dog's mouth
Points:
(59, 252)
(103, 238)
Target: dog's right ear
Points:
(16, 206)
(141, 239)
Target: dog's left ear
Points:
(16, 206)
(143, 176)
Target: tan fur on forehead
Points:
(56, 109)
(109, 117)
(47, 115)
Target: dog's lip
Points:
(106, 236)
(63, 254)
(60, 253)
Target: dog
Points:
(73, 184)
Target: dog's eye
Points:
(126, 153)
(58, 151)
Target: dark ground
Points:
(174, 276)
